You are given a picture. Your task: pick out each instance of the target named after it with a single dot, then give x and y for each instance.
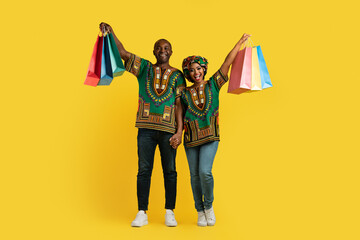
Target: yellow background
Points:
(287, 164)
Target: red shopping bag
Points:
(94, 71)
(240, 76)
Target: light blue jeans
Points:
(200, 159)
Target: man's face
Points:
(162, 51)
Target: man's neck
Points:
(163, 65)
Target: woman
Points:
(201, 137)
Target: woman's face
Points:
(196, 72)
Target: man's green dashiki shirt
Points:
(156, 109)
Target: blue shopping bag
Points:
(264, 73)
(106, 68)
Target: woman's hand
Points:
(244, 38)
(232, 54)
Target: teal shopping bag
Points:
(116, 62)
(264, 73)
(106, 68)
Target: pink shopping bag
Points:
(240, 76)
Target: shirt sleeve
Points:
(136, 65)
(180, 84)
(219, 79)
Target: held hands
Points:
(104, 27)
(175, 140)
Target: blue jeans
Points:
(200, 159)
(148, 139)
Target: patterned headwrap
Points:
(203, 62)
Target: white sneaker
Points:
(170, 218)
(210, 216)
(141, 219)
(201, 219)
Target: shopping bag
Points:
(264, 73)
(116, 62)
(94, 70)
(240, 76)
(255, 70)
(106, 68)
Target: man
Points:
(159, 119)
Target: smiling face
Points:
(162, 51)
(196, 73)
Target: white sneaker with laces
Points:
(210, 216)
(201, 219)
(170, 218)
(141, 219)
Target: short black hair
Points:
(157, 42)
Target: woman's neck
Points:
(197, 84)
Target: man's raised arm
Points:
(125, 55)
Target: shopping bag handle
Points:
(251, 42)
(247, 43)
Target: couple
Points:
(166, 107)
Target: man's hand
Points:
(175, 140)
(104, 27)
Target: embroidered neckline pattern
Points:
(167, 93)
(196, 111)
(198, 97)
(160, 85)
